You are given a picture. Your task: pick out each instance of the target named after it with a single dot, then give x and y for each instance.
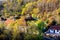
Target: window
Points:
(51, 31)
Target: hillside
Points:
(27, 19)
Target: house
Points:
(54, 29)
(52, 33)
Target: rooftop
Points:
(55, 27)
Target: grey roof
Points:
(3, 0)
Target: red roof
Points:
(8, 21)
(55, 27)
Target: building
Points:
(53, 32)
